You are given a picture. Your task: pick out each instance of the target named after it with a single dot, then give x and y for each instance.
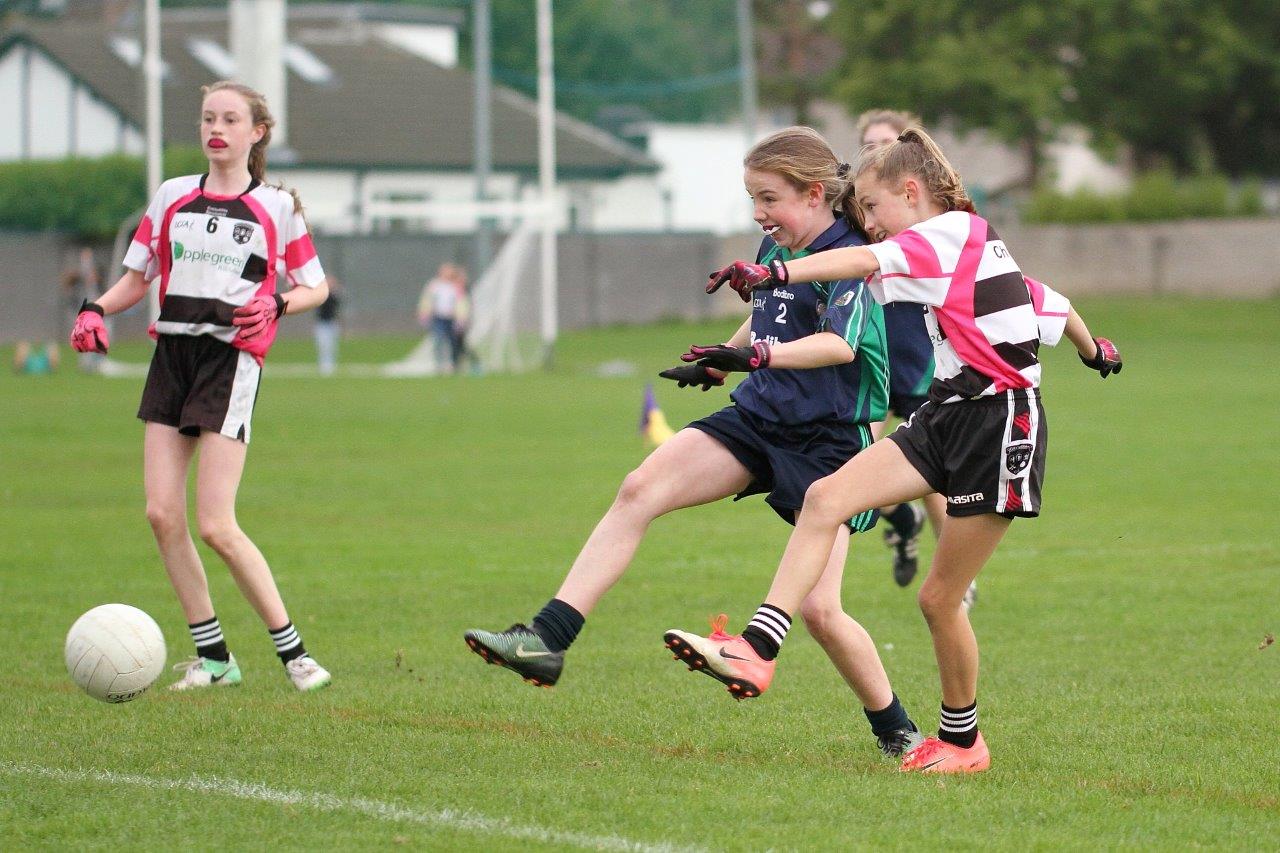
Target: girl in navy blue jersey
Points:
(817, 377)
(218, 246)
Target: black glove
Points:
(692, 374)
(742, 359)
(1106, 361)
(744, 277)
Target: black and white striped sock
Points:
(766, 631)
(288, 642)
(959, 725)
(210, 643)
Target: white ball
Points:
(114, 652)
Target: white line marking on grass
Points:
(468, 821)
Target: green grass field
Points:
(1125, 696)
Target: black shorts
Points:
(984, 455)
(905, 405)
(200, 383)
(785, 460)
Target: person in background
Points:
(437, 311)
(328, 330)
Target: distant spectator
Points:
(35, 360)
(462, 324)
(438, 309)
(328, 330)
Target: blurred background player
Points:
(328, 329)
(910, 372)
(817, 378)
(220, 244)
(980, 439)
(438, 313)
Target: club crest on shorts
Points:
(1018, 456)
(242, 232)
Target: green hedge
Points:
(87, 197)
(1154, 197)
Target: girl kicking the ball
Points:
(979, 440)
(817, 377)
(220, 244)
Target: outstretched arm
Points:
(849, 262)
(833, 265)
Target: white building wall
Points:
(11, 103)
(51, 119)
(97, 126)
(699, 188)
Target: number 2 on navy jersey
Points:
(782, 314)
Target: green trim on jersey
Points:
(864, 521)
(926, 379)
(866, 336)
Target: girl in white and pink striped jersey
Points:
(220, 244)
(980, 438)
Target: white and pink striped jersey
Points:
(985, 318)
(214, 253)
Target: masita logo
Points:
(217, 260)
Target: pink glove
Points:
(257, 315)
(744, 277)
(89, 333)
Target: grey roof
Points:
(385, 108)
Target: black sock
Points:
(903, 519)
(766, 631)
(959, 725)
(209, 641)
(558, 624)
(288, 642)
(889, 719)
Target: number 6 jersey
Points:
(214, 253)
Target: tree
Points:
(994, 64)
(1194, 84)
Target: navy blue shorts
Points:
(905, 405)
(784, 460)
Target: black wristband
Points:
(91, 306)
(778, 272)
(763, 354)
(280, 305)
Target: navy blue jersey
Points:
(856, 392)
(910, 350)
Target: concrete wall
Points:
(1221, 257)
(639, 278)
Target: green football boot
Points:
(204, 672)
(521, 649)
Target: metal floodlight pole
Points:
(547, 176)
(151, 71)
(482, 51)
(747, 69)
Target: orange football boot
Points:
(938, 756)
(725, 657)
